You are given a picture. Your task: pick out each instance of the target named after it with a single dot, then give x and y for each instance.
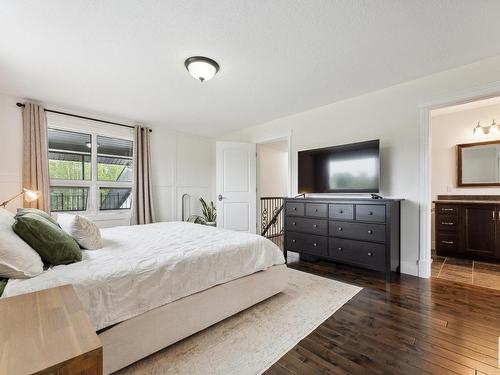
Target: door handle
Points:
(220, 197)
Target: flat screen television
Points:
(351, 168)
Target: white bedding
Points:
(146, 266)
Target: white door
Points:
(236, 188)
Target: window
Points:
(69, 155)
(89, 171)
(68, 199)
(114, 159)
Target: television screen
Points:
(352, 168)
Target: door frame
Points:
(285, 136)
(425, 161)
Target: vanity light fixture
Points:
(484, 130)
(494, 127)
(478, 129)
(201, 68)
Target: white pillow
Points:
(6, 213)
(17, 259)
(84, 231)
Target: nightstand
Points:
(47, 332)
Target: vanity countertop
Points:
(463, 201)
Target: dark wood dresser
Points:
(362, 232)
(467, 227)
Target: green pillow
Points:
(36, 211)
(47, 239)
(3, 284)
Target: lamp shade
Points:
(31, 195)
(201, 68)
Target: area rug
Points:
(251, 341)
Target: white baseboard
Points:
(424, 267)
(409, 268)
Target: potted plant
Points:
(209, 214)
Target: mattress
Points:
(146, 266)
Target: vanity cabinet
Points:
(468, 229)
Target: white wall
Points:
(11, 138)
(272, 169)
(182, 163)
(391, 115)
(449, 130)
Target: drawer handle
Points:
(340, 249)
(370, 231)
(447, 223)
(448, 242)
(294, 223)
(341, 211)
(294, 241)
(295, 208)
(315, 210)
(370, 213)
(315, 244)
(341, 229)
(370, 254)
(315, 225)
(446, 209)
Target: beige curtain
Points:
(35, 155)
(142, 197)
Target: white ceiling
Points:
(125, 57)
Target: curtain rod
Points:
(83, 117)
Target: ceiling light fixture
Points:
(201, 68)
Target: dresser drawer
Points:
(317, 209)
(370, 212)
(300, 224)
(446, 242)
(307, 243)
(341, 211)
(294, 209)
(446, 209)
(358, 231)
(366, 254)
(447, 223)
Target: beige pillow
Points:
(83, 230)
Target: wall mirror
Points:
(479, 164)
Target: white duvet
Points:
(146, 266)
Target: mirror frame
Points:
(459, 165)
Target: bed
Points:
(152, 285)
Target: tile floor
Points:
(467, 271)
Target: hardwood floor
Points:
(481, 273)
(410, 326)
